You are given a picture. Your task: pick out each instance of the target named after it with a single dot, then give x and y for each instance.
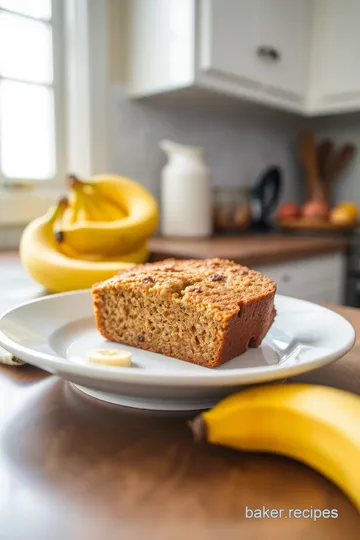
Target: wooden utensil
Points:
(337, 164)
(341, 160)
(325, 152)
(308, 155)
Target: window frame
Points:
(88, 90)
(85, 108)
(59, 89)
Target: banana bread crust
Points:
(201, 311)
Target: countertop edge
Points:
(241, 251)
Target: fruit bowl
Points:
(317, 215)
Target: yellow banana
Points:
(313, 424)
(55, 271)
(82, 213)
(69, 214)
(81, 204)
(103, 209)
(76, 209)
(121, 235)
(137, 256)
(101, 206)
(109, 186)
(59, 211)
(64, 209)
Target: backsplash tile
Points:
(240, 141)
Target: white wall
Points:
(240, 141)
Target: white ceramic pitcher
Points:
(186, 195)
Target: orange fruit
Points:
(342, 216)
(350, 207)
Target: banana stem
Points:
(199, 429)
(73, 180)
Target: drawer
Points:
(306, 270)
(312, 279)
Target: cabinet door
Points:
(260, 44)
(317, 279)
(336, 73)
(284, 32)
(228, 37)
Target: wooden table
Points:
(77, 469)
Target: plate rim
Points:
(213, 378)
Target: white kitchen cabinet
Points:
(317, 279)
(297, 55)
(254, 49)
(162, 46)
(257, 49)
(335, 83)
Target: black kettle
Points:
(265, 195)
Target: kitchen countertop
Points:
(248, 249)
(76, 468)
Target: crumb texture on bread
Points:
(201, 311)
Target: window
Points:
(31, 93)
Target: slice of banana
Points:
(110, 357)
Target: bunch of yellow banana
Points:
(313, 424)
(109, 215)
(99, 230)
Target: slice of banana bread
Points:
(202, 311)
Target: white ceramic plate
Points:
(55, 332)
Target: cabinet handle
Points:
(268, 52)
(286, 278)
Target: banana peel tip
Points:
(199, 429)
